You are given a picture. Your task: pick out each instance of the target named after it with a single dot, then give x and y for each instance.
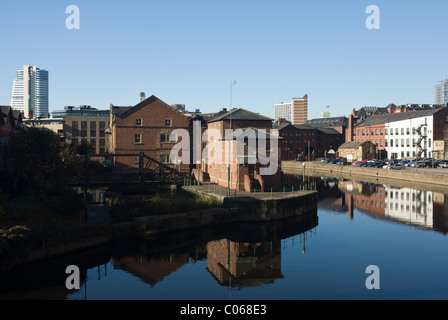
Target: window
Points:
(381, 131)
(84, 124)
(75, 124)
(376, 131)
(138, 122)
(167, 122)
(164, 158)
(391, 142)
(92, 128)
(138, 138)
(93, 145)
(102, 126)
(102, 144)
(164, 137)
(402, 131)
(407, 131)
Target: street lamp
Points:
(199, 169)
(303, 174)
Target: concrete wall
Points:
(295, 167)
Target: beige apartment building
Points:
(85, 124)
(295, 111)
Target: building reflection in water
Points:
(244, 264)
(250, 259)
(418, 208)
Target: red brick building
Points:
(10, 120)
(145, 127)
(242, 173)
(305, 142)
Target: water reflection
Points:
(249, 255)
(418, 208)
(236, 256)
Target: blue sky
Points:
(188, 51)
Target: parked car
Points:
(443, 164)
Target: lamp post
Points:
(303, 174)
(309, 150)
(199, 171)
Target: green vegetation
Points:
(159, 204)
(34, 194)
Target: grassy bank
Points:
(162, 203)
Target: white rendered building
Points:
(410, 138)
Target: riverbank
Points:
(99, 230)
(425, 179)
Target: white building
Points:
(295, 111)
(441, 93)
(414, 207)
(30, 92)
(410, 138)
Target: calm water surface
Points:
(325, 256)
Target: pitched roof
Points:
(128, 110)
(352, 144)
(282, 125)
(4, 112)
(327, 131)
(391, 117)
(304, 127)
(240, 114)
(328, 122)
(241, 133)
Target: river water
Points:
(398, 230)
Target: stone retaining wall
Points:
(423, 177)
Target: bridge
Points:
(149, 171)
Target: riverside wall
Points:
(408, 177)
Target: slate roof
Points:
(328, 131)
(328, 122)
(391, 117)
(352, 144)
(243, 131)
(240, 114)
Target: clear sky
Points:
(188, 51)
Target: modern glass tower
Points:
(441, 93)
(30, 92)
